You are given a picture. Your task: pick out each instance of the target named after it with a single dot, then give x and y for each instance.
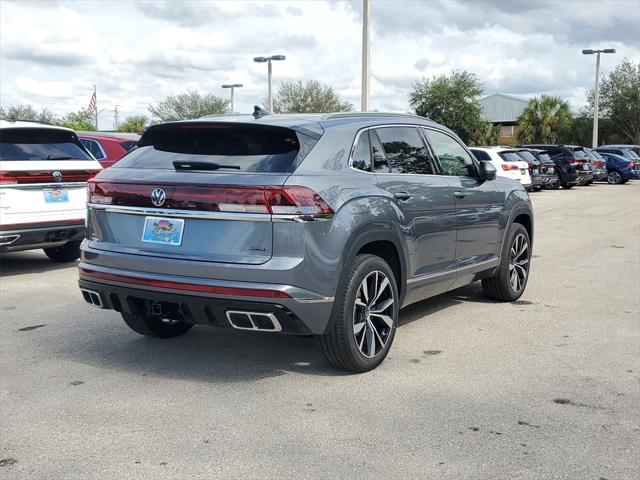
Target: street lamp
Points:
(268, 61)
(596, 93)
(232, 86)
(364, 99)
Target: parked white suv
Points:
(507, 162)
(43, 179)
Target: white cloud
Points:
(139, 52)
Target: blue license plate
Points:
(167, 231)
(56, 195)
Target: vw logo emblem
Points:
(158, 197)
(57, 176)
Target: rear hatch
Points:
(43, 175)
(580, 161)
(205, 191)
(514, 163)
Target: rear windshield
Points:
(249, 148)
(579, 153)
(544, 157)
(528, 156)
(510, 156)
(38, 144)
(595, 154)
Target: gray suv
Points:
(320, 225)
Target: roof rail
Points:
(371, 114)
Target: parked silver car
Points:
(319, 225)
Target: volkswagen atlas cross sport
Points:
(43, 181)
(319, 225)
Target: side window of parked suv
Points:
(362, 153)
(405, 150)
(454, 159)
(93, 147)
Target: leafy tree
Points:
(190, 105)
(135, 124)
(620, 100)
(486, 134)
(451, 100)
(27, 112)
(308, 97)
(83, 119)
(544, 120)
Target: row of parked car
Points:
(555, 166)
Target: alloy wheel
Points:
(373, 314)
(519, 263)
(614, 178)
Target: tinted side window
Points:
(481, 154)
(454, 159)
(93, 147)
(362, 153)
(380, 164)
(405, 150)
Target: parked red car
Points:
(108, 147)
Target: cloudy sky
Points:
(138, 52)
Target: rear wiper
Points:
(62, 157)
(202, 166)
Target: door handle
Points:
(460, 194)
(402, 195)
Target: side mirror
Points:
(487, 171)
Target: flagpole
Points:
(96, 110)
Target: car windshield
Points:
(40, 144)
(510, 156)
(249, 148)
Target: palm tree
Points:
(544, 120)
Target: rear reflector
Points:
(275, 200)
(48, 176)
(189, 287)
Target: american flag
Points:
(93, 102)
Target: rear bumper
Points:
(29, 236)
(600, 176)
(206, 301)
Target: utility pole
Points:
(115, 117)
(365, 56)
(596, 91)
(268, 60)
(95, 95)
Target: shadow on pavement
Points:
(31, 261)
(215, 354)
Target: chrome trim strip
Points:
(492, 262)
(8, 239)
(316, 300)
(247, 217)
(253, 217)
(272, 318)
(26, 186)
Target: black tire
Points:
(567, 186)
(555, 185)
(614, 178)
(155, 326)
(499, 287)
(68, 252)
(340, 345)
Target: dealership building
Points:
(504, 110)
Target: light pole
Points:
(268, 61)
(364, 103)
(596, 92)
(232, 86)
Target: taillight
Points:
(46, 176)
(275, 200)
(7, 179)
(631, 165)
(506, 167)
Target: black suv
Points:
(535, 168)
(572, 164)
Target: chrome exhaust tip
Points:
(92, 297)
(8, 239)
(256, 321)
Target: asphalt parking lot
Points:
(547, 387)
